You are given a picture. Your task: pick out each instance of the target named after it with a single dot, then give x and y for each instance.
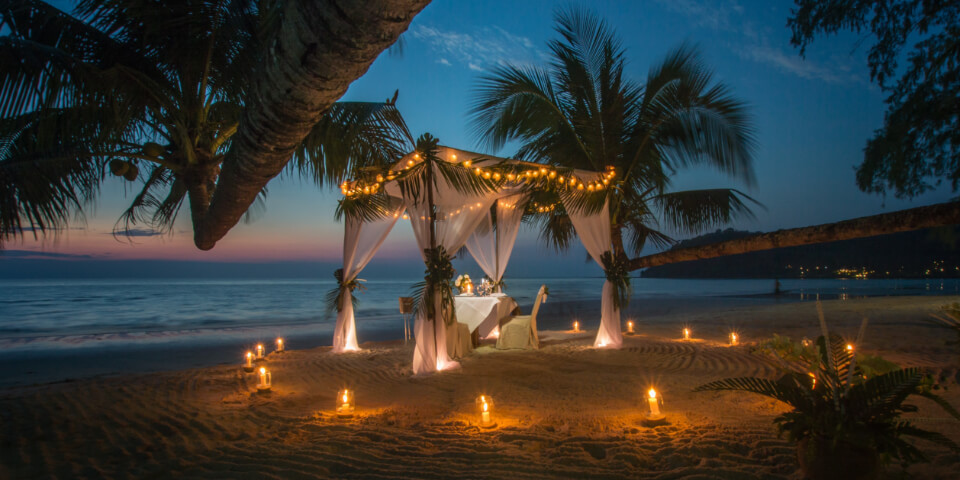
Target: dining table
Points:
(482, 314)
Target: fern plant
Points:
(839, 406)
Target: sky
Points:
(812, 116)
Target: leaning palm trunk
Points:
(941, 214)
(320, 50)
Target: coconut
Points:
(151, 149)
(132, 172)
(119, 167)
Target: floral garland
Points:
(336, 295)
(436, 281)
(617, 269)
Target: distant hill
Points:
(932, 253)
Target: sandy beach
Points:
(565, 411)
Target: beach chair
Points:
(521, 331)
(406, 312)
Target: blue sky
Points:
(813, 117)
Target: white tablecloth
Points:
(483, 313)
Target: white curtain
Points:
(594, 232)
(491, 247)
(361, 240)
(457, 215)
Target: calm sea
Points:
(70, 311)
(72, 329)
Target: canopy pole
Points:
(496, 247)
(433, 244)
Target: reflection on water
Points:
(81, 307)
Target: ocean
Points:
(164, 324)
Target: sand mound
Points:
(566, 410)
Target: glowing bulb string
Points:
(515, 173)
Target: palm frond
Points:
(350, 137)
(694, 211)
(366, 208)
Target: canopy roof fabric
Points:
(462, 217)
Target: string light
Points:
(372, 185)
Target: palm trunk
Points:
(322, 47)
(938, 215)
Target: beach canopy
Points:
(484, 220)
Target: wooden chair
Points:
(406, 311)
(521, 331)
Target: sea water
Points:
(68, 328)
(64, 308)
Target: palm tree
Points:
(580, 112)
(157, 96)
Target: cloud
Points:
(136, 232)
(793, 64)
(39, 255)
(715, 15)
(480, 50)
(727, 16)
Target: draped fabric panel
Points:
(594, 232)
(509, 217)
(361, 240)
(457, 216)
(491, 247)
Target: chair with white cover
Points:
(521, 331)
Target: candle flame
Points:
(652, 393)
(263, 371)
(249, 354)
(485, 406)
(849, 347)
(345, 396)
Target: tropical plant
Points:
(789, 353)
(156, 96)
(581, 113)
(842, 419)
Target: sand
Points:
(565, 411)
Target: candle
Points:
(576, 326)
(850, 347)
(279, 345)
(686, 334)
(265, 380)
(733, 338)
(485, 405)
(259, 351)
(629, 326)
(654, 405)
(249, 365)
(345, 403)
